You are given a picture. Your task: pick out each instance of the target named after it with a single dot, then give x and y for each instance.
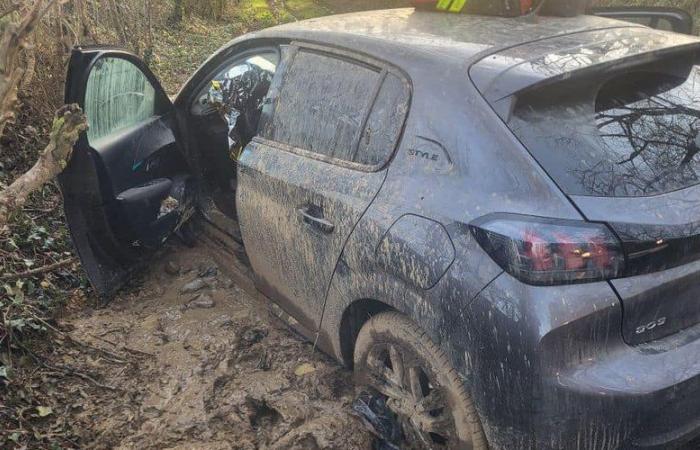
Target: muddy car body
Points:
(404, 213)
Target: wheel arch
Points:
(355, 315)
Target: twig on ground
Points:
(72, 372)
(39, 270)
(114, 357)
(138, 352)
(65, 370)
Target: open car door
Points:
(127, 186)
(669, 19)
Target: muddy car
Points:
(494, 221)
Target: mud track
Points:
(208, 369)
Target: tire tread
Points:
(394, 322)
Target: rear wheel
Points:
(397, 360)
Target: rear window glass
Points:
(636, 134)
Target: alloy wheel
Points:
(414, 394)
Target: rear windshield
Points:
(631, 134)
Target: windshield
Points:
(636, 133)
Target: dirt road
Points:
(205, 367)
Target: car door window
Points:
(236, 94)
(118, 95)
(339, 108)
(244, 81)
(322, 104)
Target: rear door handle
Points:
(319, 223)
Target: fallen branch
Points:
(39, 270)
(68, 123)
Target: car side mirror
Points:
(669, 19)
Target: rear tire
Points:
(395, 358)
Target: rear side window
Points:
(339, 108)
(636, 134)
(384, 123)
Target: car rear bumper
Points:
(642, 397)
(551, 371)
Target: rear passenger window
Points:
(339, 109)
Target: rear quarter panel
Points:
(455, 162)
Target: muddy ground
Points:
(210, 368)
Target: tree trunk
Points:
(176, 16)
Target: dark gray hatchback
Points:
(495, 222)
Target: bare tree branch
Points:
(12, 8)
(14, 40)
(67, 126)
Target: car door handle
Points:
(319, 223)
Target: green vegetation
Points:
(178, 51)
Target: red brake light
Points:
(537, 250)
(549, 251)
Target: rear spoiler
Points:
(502, 76)
(679, 20)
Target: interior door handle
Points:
(319, 223)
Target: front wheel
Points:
(395, 358)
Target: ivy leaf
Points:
(17, 324)
(44, 411)
(11, 242)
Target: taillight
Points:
(545, 251)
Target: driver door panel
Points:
(141, 168)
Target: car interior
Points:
(224, 119)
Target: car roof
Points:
(502, 55)
(459, 36)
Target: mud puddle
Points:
(188, 360)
